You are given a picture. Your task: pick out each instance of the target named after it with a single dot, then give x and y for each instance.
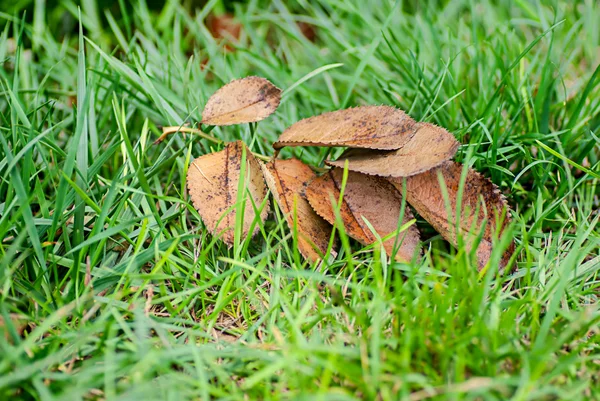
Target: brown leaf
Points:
(212, 182)
(287, 180)
(424, 193)
(308, 30)
(18, 322)
(245, 100)
(224, 27)
(428, 148)
(367, 197)
(371, 127)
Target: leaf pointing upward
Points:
(287, 180)
(213, 181)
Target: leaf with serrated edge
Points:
(428, 148)
(365, 197)
(213, 182)
(287, 180)
(245, 100)
(370, 127)
(480, 196)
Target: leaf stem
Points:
(177, 128)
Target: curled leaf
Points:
(428, 148)
(241, 101)
(213, 181)
(367, 198)
(483, 207)
(287, 180)
(371, 127)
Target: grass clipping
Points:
(388, 154)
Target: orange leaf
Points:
(366, 197)
(287, 180)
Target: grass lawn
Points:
(112, 289)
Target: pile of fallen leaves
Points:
(389, 156)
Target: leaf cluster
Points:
(390, 157)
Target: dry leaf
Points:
(212, 182)
(245, 100)
(226, 30)
(371, 127)
(428, 148)
(308, 30)
(18, 322)
(224, 27)
(480, 195)
(367, 197)
(287, 180)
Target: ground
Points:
(111, 288)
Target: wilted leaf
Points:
(241, 101)
(428, 148)
(481, 200)
(213, 182)
(365, 197)
(371, 127)
(287, 180)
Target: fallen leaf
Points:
(481, 200)
(224, 27)
(365, 197)
(245, 100)
(428, 148)
(371, 127)
(308, 30)
(18, 323)
(213, 182)
(287, 180)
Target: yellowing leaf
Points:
(371, 127)
(366, 197)
(213, 182)
(241, 101)
(287, 180)
(482, 203)
(428, 148)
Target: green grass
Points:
(110, 288)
